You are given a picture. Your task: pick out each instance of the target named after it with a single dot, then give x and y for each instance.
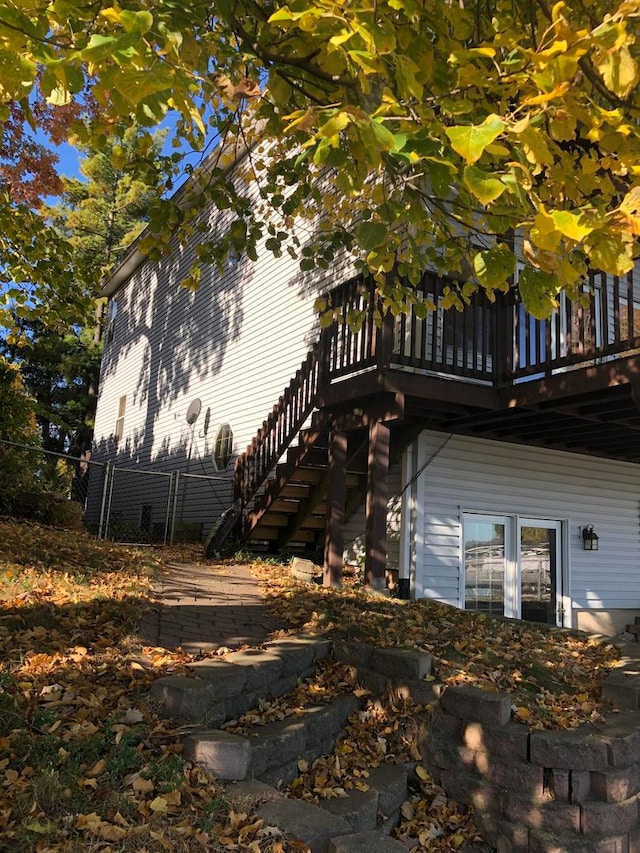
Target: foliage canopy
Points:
(411, 133)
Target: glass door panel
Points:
(540, 578)
(485, 564)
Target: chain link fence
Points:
(118, 502)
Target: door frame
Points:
(512, 589)
(546, 524)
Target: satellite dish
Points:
(193, 411)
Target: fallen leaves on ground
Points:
(86, 762)
(554, 677)
(385, 730)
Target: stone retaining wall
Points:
(551, 791)
(532, 791)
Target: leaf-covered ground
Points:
(554, 676)
(87, 763)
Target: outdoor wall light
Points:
(589, 538)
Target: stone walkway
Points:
(203, 607)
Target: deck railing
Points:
(495, 343)
(603, 324)
(282, 423)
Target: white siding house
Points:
(464, 479)
(493, 439)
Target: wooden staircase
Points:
(290, 512)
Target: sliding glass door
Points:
(486, 560)
(539, 570)
(513, 567)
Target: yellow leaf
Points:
(559, 90)
(158, 805)
(109, 832)
(619, 70)
(142, 785)
(523, 713)
(570, 224)
(98, 768)
(407, 810)
(172, 798)
(40, 828)
(88, 821)
(421, 773)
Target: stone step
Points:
(271, 752)
(366, 842)
(622, 685)
(405, 672)
(306, 821)
(222, 689)
(358, 822)
(623, 692)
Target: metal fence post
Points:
(176, 490)
(105, 497)
(167, 519)
(112, 477)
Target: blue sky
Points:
(69, 161)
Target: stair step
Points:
(366, 842)
(275, 519)
(313, 522)
(272, 534)
(290, 507)
(299, 819)
(359, 809)
(221, 689)
(351, 821)
(264, 533)
(271, 752)
(308, 475)
(633, 629)
(294, 490)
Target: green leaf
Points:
(384, 138)
(136, 22)
(538, 290)
(17, 74)
(470, 141)
(408, 83)
(284, 14)
(334, 125)
(494, 266)
(483, 185)
(99, 48)
(371, 234)
(441, 176)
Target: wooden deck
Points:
(491, 370)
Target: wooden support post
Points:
(377, 489)
(336, 496)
